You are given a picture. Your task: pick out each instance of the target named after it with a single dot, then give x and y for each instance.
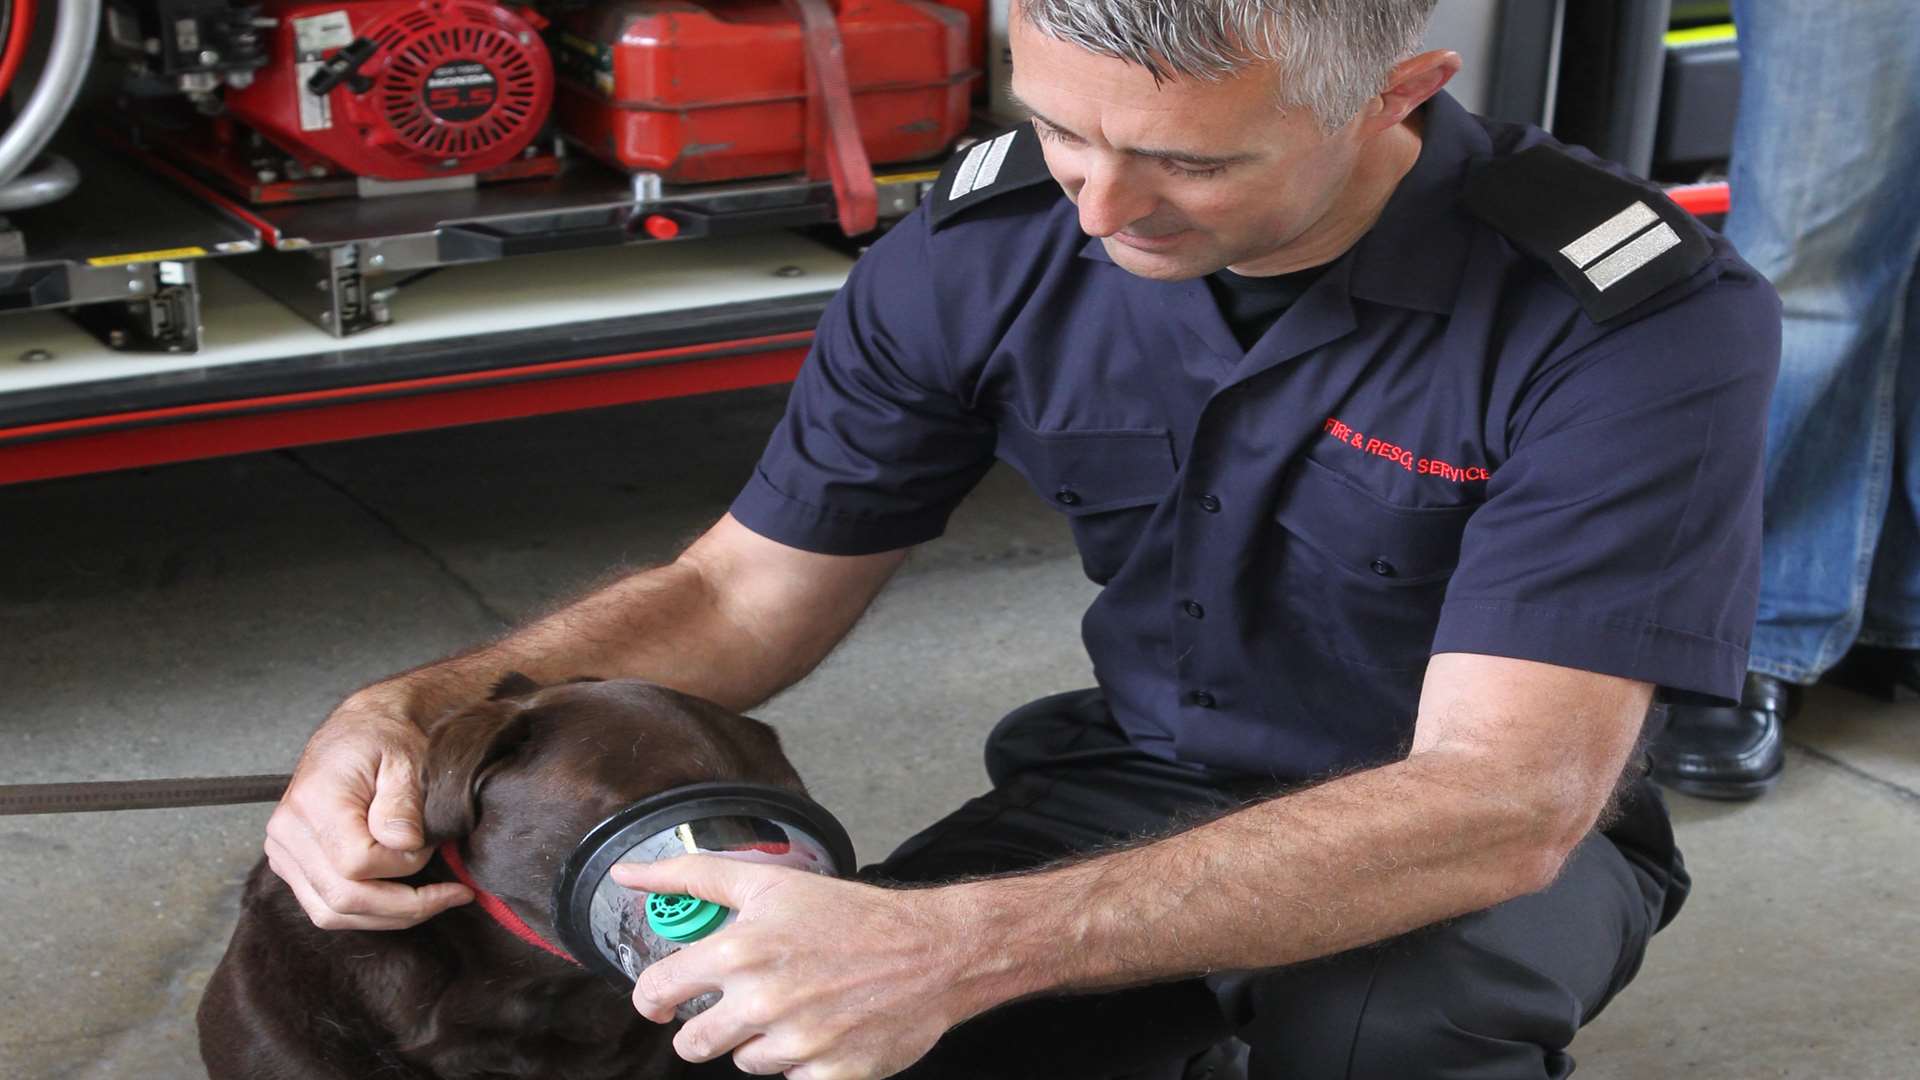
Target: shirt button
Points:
(1210, 503)
(1193, 608)
(1202, 699)
(1384, 568)
(1067, 497)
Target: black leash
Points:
(173, 794)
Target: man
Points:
(1413, 454)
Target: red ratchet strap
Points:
(496, 907)
(19, 35)
(833, 131)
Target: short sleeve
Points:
(1622, 534)
(878, 445)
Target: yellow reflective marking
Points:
(148, 256)
(1700, 35)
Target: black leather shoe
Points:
(1726, 753)
(1887, 674)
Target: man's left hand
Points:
(821, 979)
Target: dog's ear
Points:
(515, 685)
(512, 685)
(462, 754)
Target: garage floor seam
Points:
(467, 588)
(1899, 790)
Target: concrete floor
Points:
(201, 619)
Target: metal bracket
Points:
(648, 188)
(898, 200)
(13, 243)
(149, 307)
(327, 286)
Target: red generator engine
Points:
(718, 90)
(400, 89)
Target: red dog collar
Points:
(496, 907)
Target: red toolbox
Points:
(717, 90)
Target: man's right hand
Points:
(351, 818)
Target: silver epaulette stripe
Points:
(1585, 253)
(969, 170)
(1610, 234)
(996, 157)
(982, 166)
(1647, 247)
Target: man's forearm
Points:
(661, 624)
(735, 619)
(1352, 861)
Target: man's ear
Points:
(462, 753)
(1411, 83)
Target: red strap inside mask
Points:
(496, 907)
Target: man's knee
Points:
(1424, 1005)
(1496, 994)
(1145, 1033)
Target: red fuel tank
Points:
(977, 13)
(701, 92)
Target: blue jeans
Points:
(1826, 203)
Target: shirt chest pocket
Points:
(1106, 482)
(1361, 579)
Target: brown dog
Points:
(519, 779)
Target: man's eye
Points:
(1185, 173)
(1173, 168)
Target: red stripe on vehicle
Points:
(193, 432)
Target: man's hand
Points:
(821, 979)
(351, 817)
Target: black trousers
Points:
(1498, 993)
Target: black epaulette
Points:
(991, 167)
(1614, 242)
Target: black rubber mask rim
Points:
(605, 843)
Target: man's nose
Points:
(1109, 203)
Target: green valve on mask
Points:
(683, 919)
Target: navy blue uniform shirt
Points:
(1436, 449)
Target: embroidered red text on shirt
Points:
(1401, 456)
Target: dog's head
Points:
(522, 776)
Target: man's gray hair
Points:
(1332, 54)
